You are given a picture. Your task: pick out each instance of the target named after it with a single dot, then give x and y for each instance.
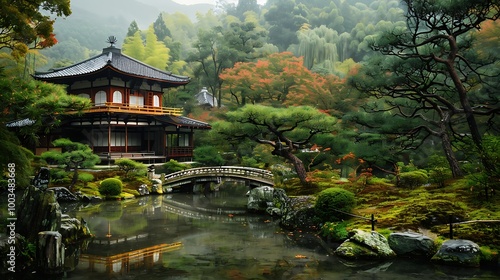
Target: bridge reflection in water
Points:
(124, 262)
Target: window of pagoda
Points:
(156, 101)
(117, 97)
(100, 98)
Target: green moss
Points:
(132, 192)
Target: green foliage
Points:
(438, 169)
(489, 256)
(37, 104)
(173, 166)
(60, 176)
(491, 145)
(111, 187)
(13, 153)
(24, 22)
(85, 178)
(208, 156)
(73, 155)
(128, 165)
(334, 231)
(407, 167)
(333, 200)
(251, 162)
(412, 179)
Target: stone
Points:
(365, 245)
(297, 213)
(64, 195)
(73, 230)
(143, 189)
(157, 189)
(42, 179)
(259, 198)
(274, 211)
(37, 211)
(458, 252)
(411, 244)
(50, 253)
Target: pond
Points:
(197, 236)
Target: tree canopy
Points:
(25, 24)
(286, 130)
(28, 107)
(72, 156)
(433, 74)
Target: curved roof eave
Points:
(117, 62)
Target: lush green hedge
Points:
(110, 187)
(333, 200)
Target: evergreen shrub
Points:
(333, 200)
(110, 187)
(413, 179)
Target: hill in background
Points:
(85, 31)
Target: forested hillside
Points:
(410, 83)
(84, 33)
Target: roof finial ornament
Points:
(112, 40)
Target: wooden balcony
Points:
(110, 107)
(173, 152)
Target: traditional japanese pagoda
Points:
(127, 119)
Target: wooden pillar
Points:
(109, 136)
(191, 138)
(164, 141)
(92, 134)
(126, 138)
(148, 132)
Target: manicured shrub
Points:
(111, 187)
(336, 232)
(174, 166)
(333, 200)
(85, 178)
(128, 165)
(413, 179)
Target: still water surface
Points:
(193, 236)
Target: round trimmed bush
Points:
(331, 201)
(111, 187)
(413, 179)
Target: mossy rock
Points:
(458, 253)
(354, 251)
(365, 245)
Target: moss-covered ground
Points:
(131, 183)
(426, 209)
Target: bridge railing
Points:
(248, 172)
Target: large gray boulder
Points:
(260, 198)
(458, 252)
(362, 245)
(411, 244)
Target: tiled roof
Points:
(113, 58)
(206, 98)
(183, 121)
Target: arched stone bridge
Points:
(254, 177)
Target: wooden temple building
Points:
(126, 119)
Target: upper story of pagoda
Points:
(116, 82)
